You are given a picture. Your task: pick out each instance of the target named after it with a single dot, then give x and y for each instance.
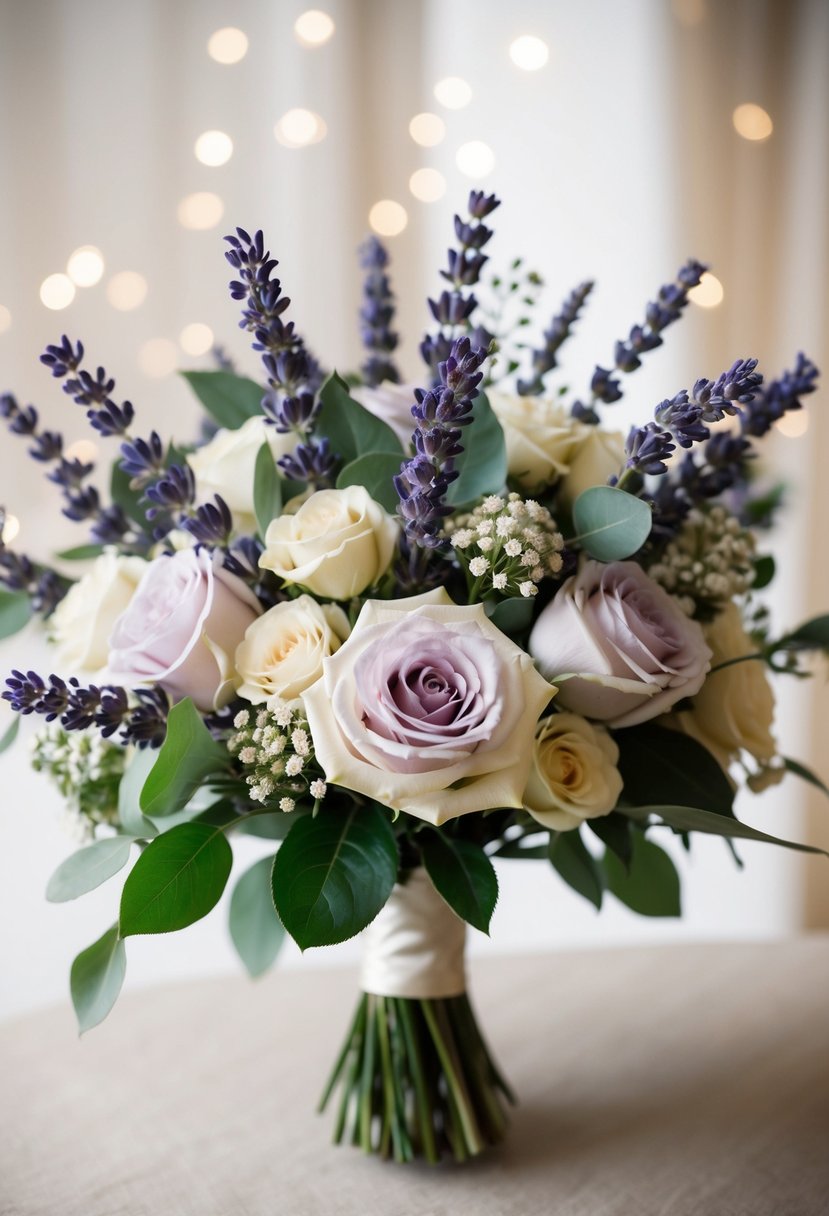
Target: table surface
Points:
(681, 1080)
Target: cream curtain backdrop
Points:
(617, 160)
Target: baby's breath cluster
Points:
(710, 561)
(274, 747)
(87, 770)
(507, 545)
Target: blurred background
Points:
(622, 139)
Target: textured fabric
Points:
(692, 1081)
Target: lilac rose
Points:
(182, 627)
(427, 708)
(626, 648)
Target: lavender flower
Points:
(94, 391)
(44, 587)
(544, 357)
(779, 397)
(376, 315)
(107, 707)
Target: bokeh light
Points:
(11, 529)
(453, 92)
(708, 293)
(201, 210)
(85, 266)
(752, 122)
(529, 52)
(475, 159)
(313, 28)
(227, 45)
(428, 185)
(427, 129)
(196, 338)
(57, 291)
(127, 290)
(298, 128)
(158, 357)
(388, 218)
(5, 319)
(85, 450)
(213, 148)
(794, 424)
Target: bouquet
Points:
(398, 632)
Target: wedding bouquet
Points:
(398, 632)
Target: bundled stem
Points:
(417, 1081)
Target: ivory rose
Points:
(733, 712)
(282, 651)
(225, 465)
(540, 435)
(427, 708)
(574, 775)
(628, 650)
(182, 627)
(338, 543)
(596, 456)
(82, 622)
(392, 404)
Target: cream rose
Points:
(82, 622)
(225, 465)
(392, 404)
(338, 543)
(574, 775)
(540, 435)
(598, 454)
(627, 649)
(427, 708)
(282, 651)
(733, 712)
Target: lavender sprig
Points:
(423, 481)
(106, 707)
(44, 586)
(544, 358)
(377, 315)
(453, 309)
(672, 298)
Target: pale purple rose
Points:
(182, 627)
(427, 708)
(634, 652)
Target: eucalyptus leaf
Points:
(512, 616)
(81, 553)
(483, 462)
(87, 868)
(96, 978)
(791, 766)
(350, 429)
(228, 398)
(375, 471)
(611, 524)
(694, 819)
(10, 734)
(275, 825)
(462, 874)
(333, 874)
(650, 886)
(129, 500)
(15, 612)
(811, 635)
(764, 570)
(255, 928)
(136, 773)
(576, 864)
(662, 765)
(177, 880)
(187, 756)
(267, 489)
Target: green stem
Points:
(422, 1105)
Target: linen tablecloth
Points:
(679, 1080)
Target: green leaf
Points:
(178, 878)
(275, 825)
(96, 978)
(462, 874)
(483, 464)
(230, 399)
(764, 569)
(81, 553)
(15, 612)
(791, 766)
(576, 865)
(10, 734)
(350, 429)
(811, 635)
(333, 874)
(255, 928)
(694, 819)
(512, 616)
(129, 793)
(187, 755)
(662, 765)
(611, 524)
(614, 831)
(651, 885)
(129, 500)
(375, 471)
(88, 868)
(267, 489)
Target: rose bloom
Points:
(540, 435)
(338, 543)
(182, 627)
(574, 775)
(282, 651)
(733, 712)
(597, 455)
(629, 651)
(225, 465)
(427, 708)
(82, 622)
(392, 404)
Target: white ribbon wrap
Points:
(415, 946)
